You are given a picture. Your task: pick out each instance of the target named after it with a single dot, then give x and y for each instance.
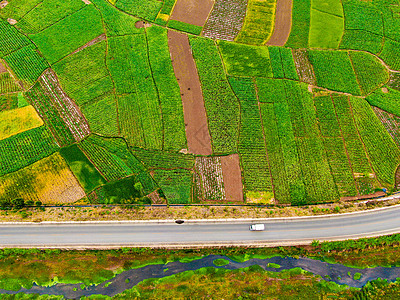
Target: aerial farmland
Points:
(187, 146)
(223, 102)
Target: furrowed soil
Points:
(283, 23)
(232, 178)
(196, 126)
(193, 12)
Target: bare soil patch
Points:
(232, 178)
(193, 12)
(2, 68)
(363, 197)
(283, 23)
(196, 126)
(91, 43)
(12, 21)
(142, 24)
(3, 4)
(156, 199)
(87, 1)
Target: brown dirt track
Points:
(196, 126)
(232, 178)
(100, 38)
(193, 12)
(283, 23)
(2, 69)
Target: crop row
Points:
(384, 153)
(9, 101)
(155, 159)
(318, 180)
(258, 23)
(353, 143)
(102, 115)
(84, 75)
(175, 184)
(275, 154)
(109, 165)
(87, 175)
(327, 119)
(340, 166)
(11, 39)
(56, 43)
(251, 145)
(225, 20)
(390, 122)
(289, 151)
(145, 9)
(313, 161)
(333, 70)
(48, 181)
(389, 101)
(116, 22)
(65, 106)
(168, 89)
(46, 14)
(303, 66)
(114, 159)
(129, 66)
(58, 111)
(369, 71)
(8, 84)
(221, 104)
(361, 40)
(23, 149)
(270, 90)
(298, 37)
(27, 64)
(334, 146)
(209, 182)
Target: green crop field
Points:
(120, 98)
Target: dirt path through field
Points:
(100, 38)
(193, 12)
(232, 178)
(196, 126)
(283, 23)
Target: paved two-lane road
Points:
(278, 232)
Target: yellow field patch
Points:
(163, 17)
(18, 120)
(48, 180)
(260, 197)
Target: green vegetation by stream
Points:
(22, 267)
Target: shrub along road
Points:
(288, 231)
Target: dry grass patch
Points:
(48, 180)
(18, 120)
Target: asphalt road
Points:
(278, 232)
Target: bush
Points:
(18, 203)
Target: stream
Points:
(128, 279)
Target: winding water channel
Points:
(128, 279)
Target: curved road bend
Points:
(278, 232)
